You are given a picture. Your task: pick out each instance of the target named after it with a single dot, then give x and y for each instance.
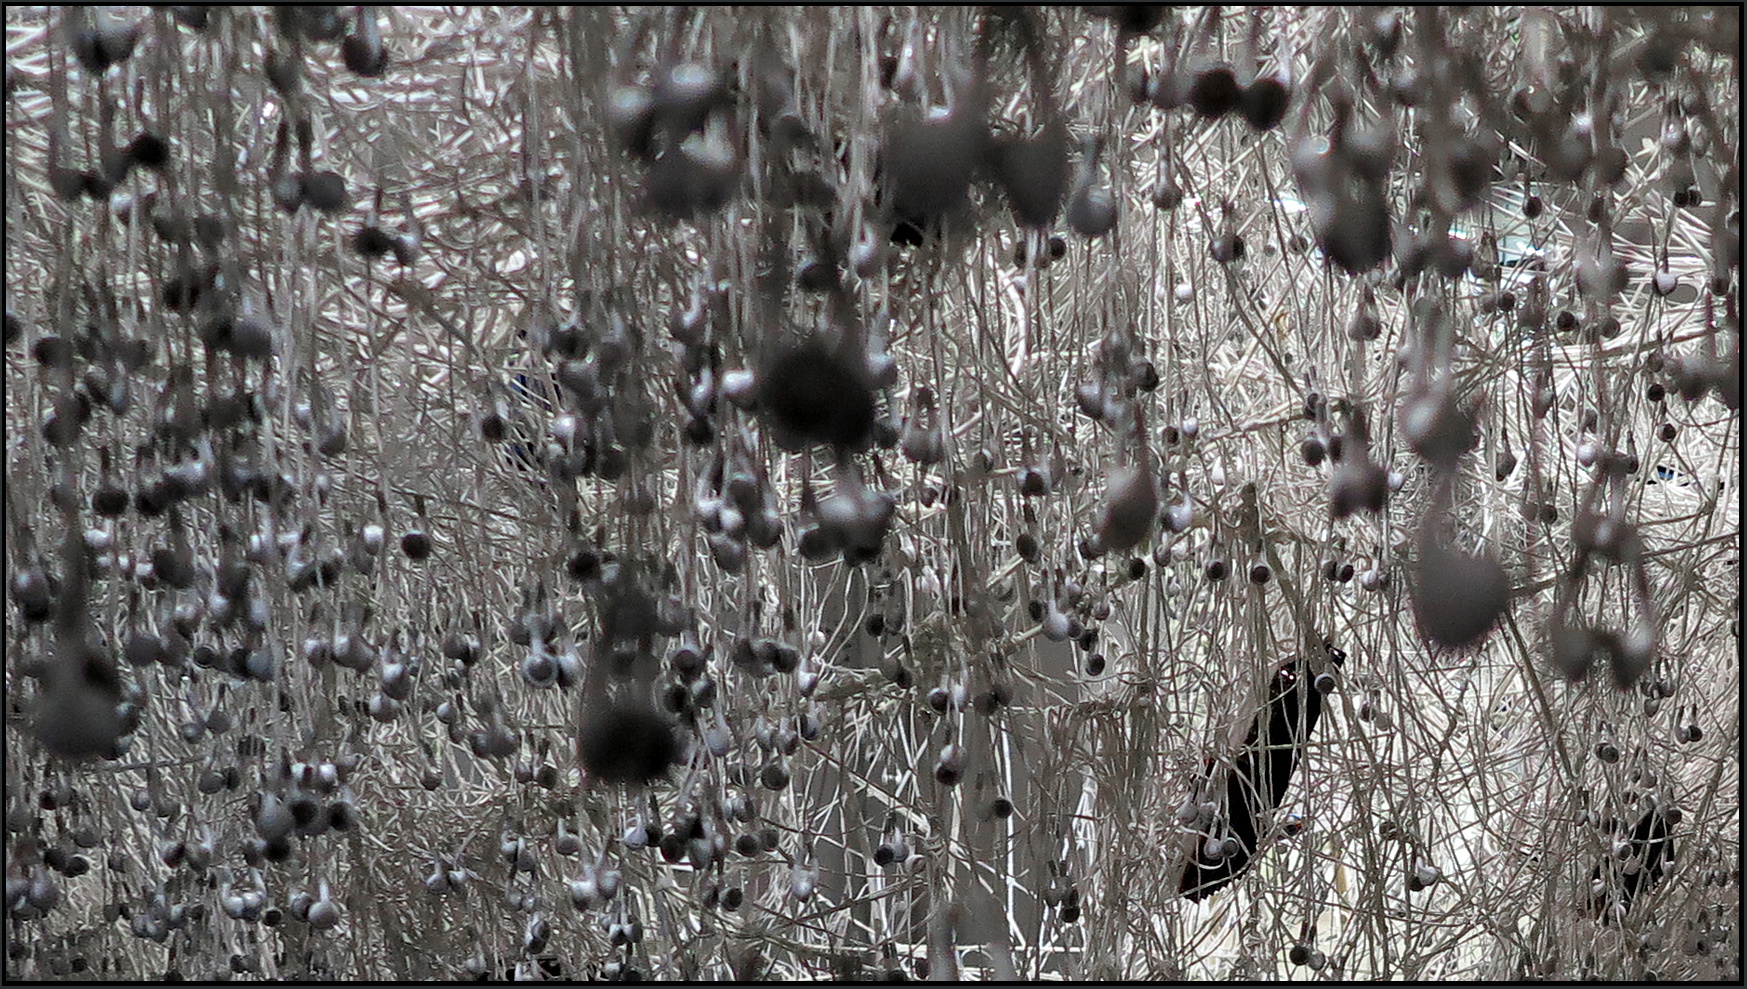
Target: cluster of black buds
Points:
(323, 190)
(1601, 535)
(1437, 426)
(1061, 893)
(1305, 952)
(1694, 375)
(1092, 204)
(1213, 91)
(158, 917)
(301, 800)
(895, 850)
(923, 438)
(1697, 373)
(1458, 596)
(373, 241)
(852, 520)
(1118, 375)
(1356, 482)
(1070, 615)
(931, 151)
(680, 125)
(633, 613)
(318, 911)
(496, 737)
(598, 409)
(737, 510)
(596, 885)
(700, 383)
(1343, 178)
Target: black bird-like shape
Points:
(1650, 844)
(1260, 775)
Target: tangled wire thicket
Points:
(697, 493)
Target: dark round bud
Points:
(326, 191)
(1146, 376)
(699, 432)
(584, 564)
(364, 55)
(1264, 102)
(492, 427)
(993, 699)
(416, 545)
(949, 770)
(53, 352)
(815, 395)
(785, 658)
(1214, 92)
(676, 698)
(1167, 195)
(1226, 247)
(148, 150)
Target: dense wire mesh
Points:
(401, 434)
